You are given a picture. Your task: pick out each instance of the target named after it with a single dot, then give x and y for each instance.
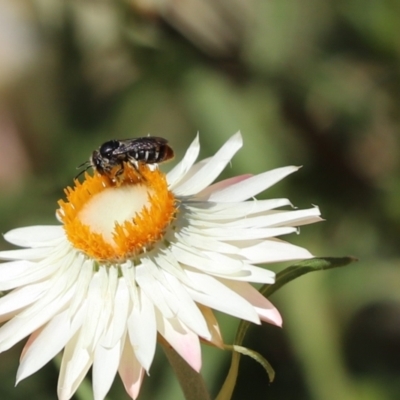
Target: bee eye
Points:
(107, 148)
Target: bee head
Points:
(97, 161)
(107, 148)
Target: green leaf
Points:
(302, 268)
(255, 356)
(282, 278)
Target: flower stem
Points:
(191, 382)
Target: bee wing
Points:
(143, 143)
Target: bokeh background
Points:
(313, 83)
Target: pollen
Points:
(113, 221)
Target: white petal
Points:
(198, 260)
(263, 306)
(22, 297)
(143, 331)
(32, 318)
(273, 251)
(192, 171)
(82, 283)
(271, 218)
(310, 216)
(25, 274)
(98, 309)
(119, 316)
(183, 340)
(276, 218)
(129, 274)
(205, 242)
(26, 254)
(169, 296)
(152, 288)
(167, 262)
(35, 236)
(249, 188)
(50, 341)
(105, 366)
(233, 234)
(217, 296)
(212, 169)
(188, 311)
(251, 273)
(178, 172)
(221, 185)
(223, 211)
(130, 371)
(12, 269)
(75, 364)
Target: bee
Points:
(114, 153)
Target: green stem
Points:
(191, 382)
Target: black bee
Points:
(146, 150)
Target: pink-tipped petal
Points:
(264, 308)
(130, 371)
(183, 340)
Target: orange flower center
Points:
(114, 221)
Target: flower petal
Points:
(249, 188)
(236, 234)
(152, 288)
(119, 315)
(251, 273)
(263, 306)
(199, 260)
(212, 293)
(270, 251)
(194, 238)
(221, 185)
(105, 367)
(213, 327)
(49, 342)
(75, 364)
(130, 371)
(35, 236)
(179, 171)
(143, 330)
(20, 273)
(22, 297)
(188, 312)
(209, 172)
(33, 317)
(98, 310)
(26, 254)
(183, 340)
(223, 211)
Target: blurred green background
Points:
(313, 83)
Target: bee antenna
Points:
(88, 164)
(83, 164)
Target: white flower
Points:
(151, 255)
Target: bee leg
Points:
(119, 172)
(135, 165)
